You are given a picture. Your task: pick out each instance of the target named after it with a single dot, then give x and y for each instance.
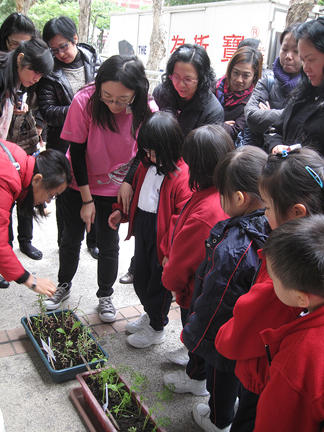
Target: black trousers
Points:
(73, 234)
(25, 229)
(154, 297)
(223, 388)
(196, 367)
(244, 420)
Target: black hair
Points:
(129, 71)
(63, 26)
(286, 181)
(313, 32)
(240, 170)
(161, 132)
(202, 150)
(55, 169)
(251, 42)
(198, 57)
(290, 29)
(296, 254)
(15, 23)
(37, 57)
(247, 55)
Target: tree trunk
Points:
(298, 11)
(23, 6)
(84, 20)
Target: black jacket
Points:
(198, 112)
(225, 274)
(55, 95)
(302, 122)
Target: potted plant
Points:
(64, 344)
(115, 403)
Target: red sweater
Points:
(196, 219)
(239, 339)
(293, 399)
(13, 185)
(174, 193)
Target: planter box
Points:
(97, 409)
(60, 375)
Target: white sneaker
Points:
(146, 337)
(135, 326)
(107, 311)
(179, 382)
(201, 414)
(179, 356)
(62, 293)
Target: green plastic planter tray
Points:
(60, 375)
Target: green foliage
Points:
(44, 10)
(7, 7)
(186, 2)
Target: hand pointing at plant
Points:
(41, 286)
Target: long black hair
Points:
(129, 71)
(15, 23)
(198, 57)
(37, 57)
(55, 169)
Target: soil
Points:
(66, 341)
(125, 419)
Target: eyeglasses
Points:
(61, 48)
(187, 81)
(12, 44)
(122, 104)
(150, 153)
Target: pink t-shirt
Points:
(109, 155)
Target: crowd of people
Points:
(222, 184)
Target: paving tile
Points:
(129, 312)
(174, 314)
(119, 326)
(3, 337)
(23, 346)
(6, 350)
(139, 308)
(17, 333)
(100, 329)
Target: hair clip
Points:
(284, 153)
(315, 176)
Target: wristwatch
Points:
(34, 284)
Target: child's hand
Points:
(164, 261)
(114, 219)
(125, 195)
(265, 106)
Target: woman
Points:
(235, 88)
(75, 64)
(302, 120)
(24, 130)
(102, 149)
(31, 182)
(185, 89)
(271, 94)
(21, 69)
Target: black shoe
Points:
(32, 252)
(94, 252)
(3, 283)
(126, 279)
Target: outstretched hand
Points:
(114, 219)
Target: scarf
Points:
(288, 84)
(227, 98)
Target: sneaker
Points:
(146, 337)
(61, 294)
(201, 414)
(179, 356)
(179, 382)
(107, 311)
(135, 326)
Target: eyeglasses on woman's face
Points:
(118, 103)
(187, 81)
(62, 48)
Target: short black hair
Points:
(161, 132)
(240, 170)
(296, 254)
(63, 26)
(286, 181)
(202, 150)
(251, 42)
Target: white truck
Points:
(219, 27)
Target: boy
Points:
(293, 398)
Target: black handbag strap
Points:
(11, 158)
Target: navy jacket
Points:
(225, 274)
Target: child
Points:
(225, 274)
(202, 150)
(160, 190)
(293, 398)
(291, 187)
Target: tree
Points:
(43, 11)
(23, 6)
(157, 41)
(84, 19)
(298, 11)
